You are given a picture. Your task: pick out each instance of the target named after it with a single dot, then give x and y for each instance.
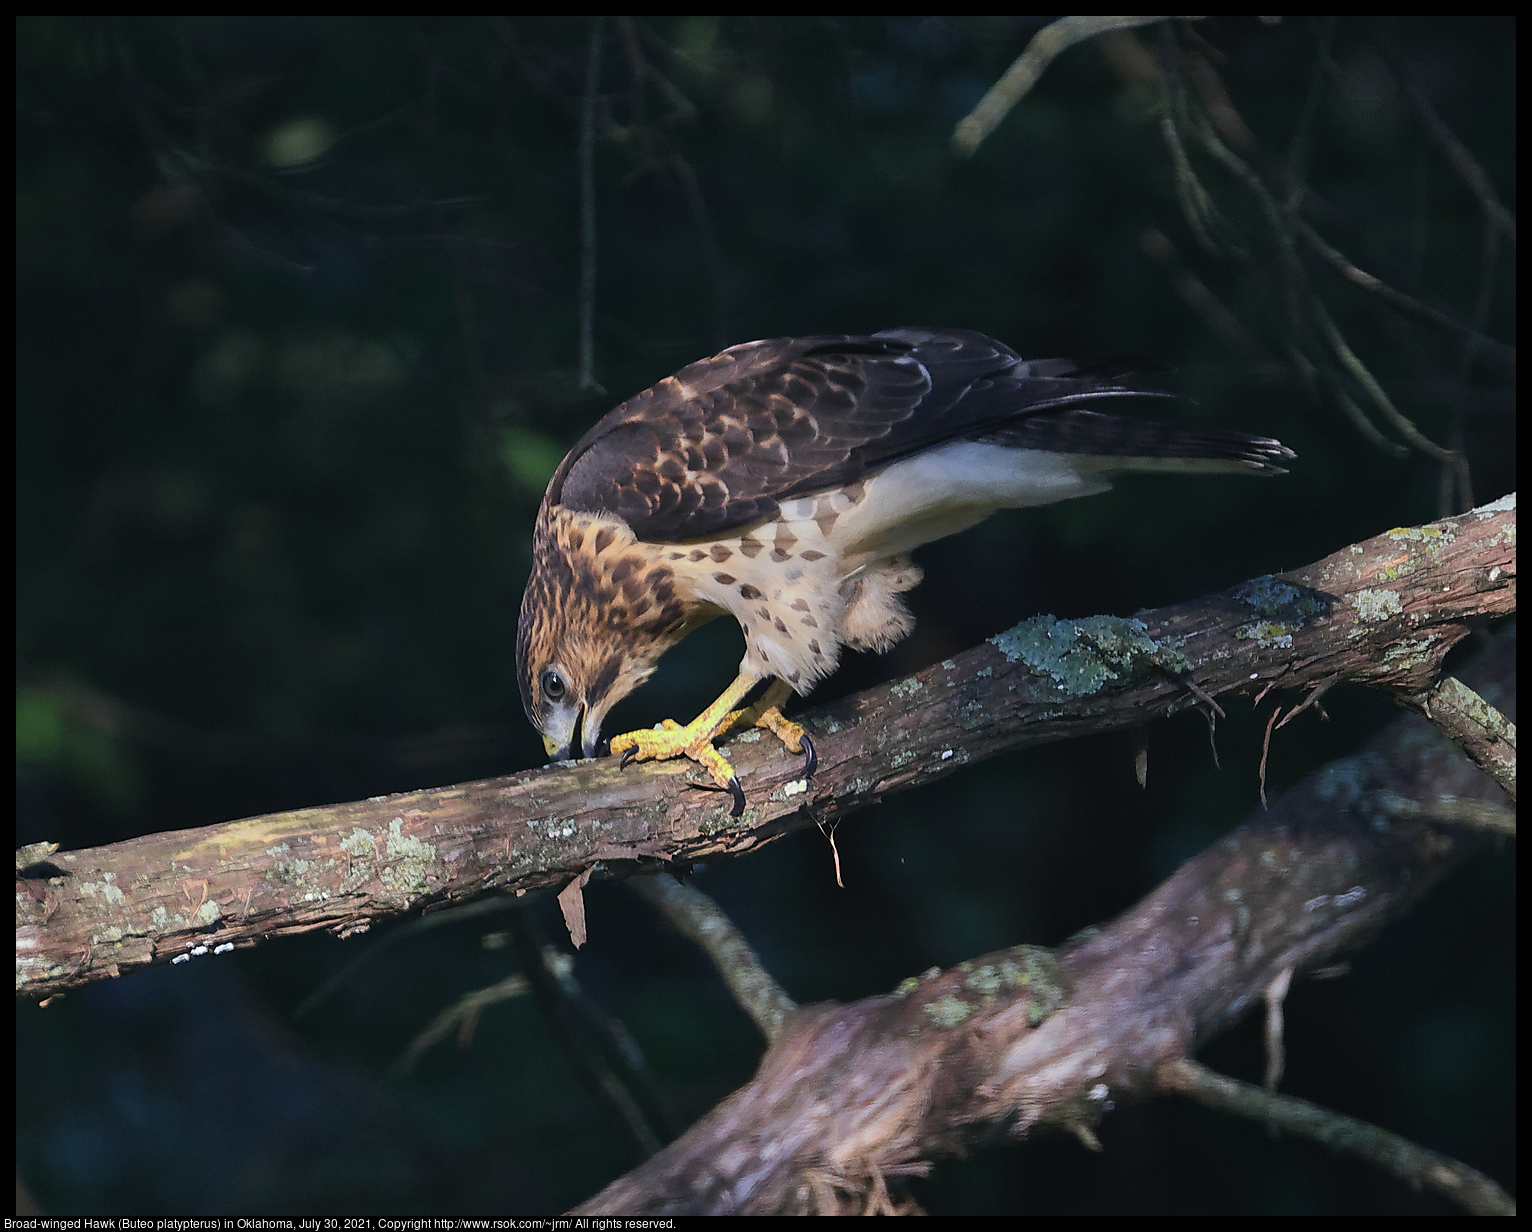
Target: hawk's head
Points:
(572, 667)
(591, 632)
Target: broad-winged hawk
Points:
(785, 483)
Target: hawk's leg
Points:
(767, 713)
(695, 740)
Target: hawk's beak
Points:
(575, 742)
(563, 742)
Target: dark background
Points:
(298, 345)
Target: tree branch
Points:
(1029, 1039)
(1381, 613)
(699, 918)
(1466, 1186)
(1045, 47)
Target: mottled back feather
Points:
(722, 442)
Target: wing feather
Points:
(723, 441)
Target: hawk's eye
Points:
(553, 684)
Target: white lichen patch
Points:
(359, 843)
(948, 1010)
(907, 688)
(1410, 650)
(1375, 604)
(403, 847)
(109, 893)
(986, 981)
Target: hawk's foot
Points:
(695, 740)
(767, 715)
(678, 741)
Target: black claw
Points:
(738, 793)
(810, 758)
(628, 755)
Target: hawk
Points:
(785, 483)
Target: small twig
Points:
(1472, 332)
(1196, 206)
(1199, 297)
(1466, 1186)
(1358, 417)
(1398, 299)
(1266, 750)
(1318, 691)
(700, 919)
(1301, 147)
(1369, 383)
(561, 1014)
(1196, 691)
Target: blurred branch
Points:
(1316, 343)
(1446, 140)
(1404, 303)
(463, 1015)
(1027, 1039)
(699, 918)
(1382, 612)
(1419, 1167)
(1028, 67)
(588, 211)
(573, 1022)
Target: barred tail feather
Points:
(1142, 445)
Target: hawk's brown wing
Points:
(720, 443)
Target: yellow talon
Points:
(695, 739)
(767, 715)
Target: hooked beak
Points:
(576, 742)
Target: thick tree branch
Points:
(1382, 613)
(1029, 1039)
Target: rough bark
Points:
(1382, 613)
(849, 1096)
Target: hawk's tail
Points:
(1142, 445)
